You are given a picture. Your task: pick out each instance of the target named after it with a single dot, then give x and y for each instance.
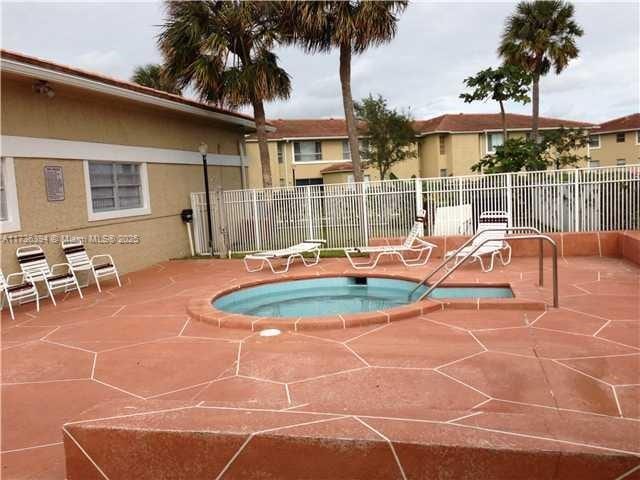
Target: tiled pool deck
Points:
(487, 393)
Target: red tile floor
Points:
(146, 392)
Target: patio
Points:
(489, 391)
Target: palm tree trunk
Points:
(263, 147)
(349, 115)
(535, 100)
(503, 116)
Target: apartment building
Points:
(616, 142)
(316, 151)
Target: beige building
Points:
(315, 151)
(112, 162)
(616, 142)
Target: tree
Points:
(562, 147)
(557, 149)
(152, 75)
(223, 49)
(541, 34)
(391, 135)
(502, 84)
(352, 27)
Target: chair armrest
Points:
(425, 243)
(24, 277)
(68, 267)
(102, 255)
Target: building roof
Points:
(480, 122)
(622, 124)
(55, 72)
(297, 128)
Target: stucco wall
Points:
(610, 150)
(77, 115)
(162, 234)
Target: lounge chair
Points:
(497, 245)
(34, 264)
(18, 291)
(79, 260)
(412, 244)
(289, 254)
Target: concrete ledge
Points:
(165, 439)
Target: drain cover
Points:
(270, 332)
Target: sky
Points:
(421, 70)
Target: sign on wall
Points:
(54, 182)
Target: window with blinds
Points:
(307, 151)
(115, 186)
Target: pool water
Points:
(338, 295)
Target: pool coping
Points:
(201, 307)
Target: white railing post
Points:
(256, 223)
(576, 198)
(309, 211)
(510, 199)
(419, 202)
(365, 212)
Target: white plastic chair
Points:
(77, 257)
(412, 244)
(495, 244)
(34, 264)
(289, 254)
(18, 291)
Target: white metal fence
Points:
(347, 215)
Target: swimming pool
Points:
(338, 295)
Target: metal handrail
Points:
(470, 240)
(540, 237)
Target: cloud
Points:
(422, 69)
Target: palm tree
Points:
(541, 34)
(223, 50)
(351, 26)
(152, 75)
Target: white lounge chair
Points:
(289, 254)
(412, 244)
(496, 246)
(34, 264)
(15, 290)
(79, 260)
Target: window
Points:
(116, 189)
(303, 182)
(621, 162)
(307, 152)
(494, 140)
(280, 152)
(594, 163)
(441, 140)
(620, 137)
(363, 145)
(282, 182)
(9, 214)
(638, 137)
(443, 172)
(594, 141)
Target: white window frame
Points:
(621, 162)
(123, 213)
(599, 141)
(637, 137)
(350, 178)
(364, 152)
(487, 135)
(308, 162)
(12, 223)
